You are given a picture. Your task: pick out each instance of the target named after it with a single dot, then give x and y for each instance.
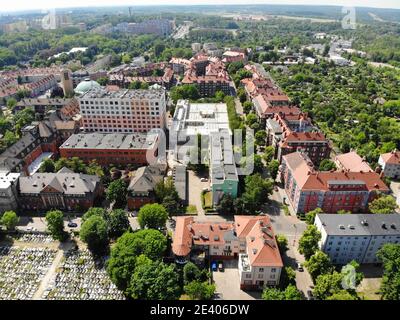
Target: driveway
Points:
(195, 189)
(228, 283)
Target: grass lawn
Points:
(191, 210)
(208, 200)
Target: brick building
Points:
(308, 189)
(64, 190)
(112, 148)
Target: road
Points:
(239, 107)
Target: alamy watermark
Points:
(349, 19)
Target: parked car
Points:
(310, 295)
(204, 180)
(220, 266)
(214, 266)
(300, 267)
(72, 224)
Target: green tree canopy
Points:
(55, 224)
(385, 204)
(197, 290)
(308, 243)
(152, 216)
(94, 233)
(9, 220)
(389, 254)
(117, 191)
(319, 263)
(310, 215)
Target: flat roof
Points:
(103, 93)
(111, 141)
(360, 224)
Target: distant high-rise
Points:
(67, 83)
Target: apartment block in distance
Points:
(308, 189)
(250, 239)
(112, 148)
(348, 237)
(124, 111)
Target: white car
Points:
(204, 180)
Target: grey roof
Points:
(63, 181)
(145, 179)
(360, 224)
(111, 141)
(102, 93)
(274, 126)
(180, 181)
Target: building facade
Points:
(308, 189)
(124, 111)
(8, 191)
(64, 190)
(390, 164)
(356, 237)
(112, 148)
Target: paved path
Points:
(195, 189)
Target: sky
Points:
(17, 5)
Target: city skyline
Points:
(21, 5)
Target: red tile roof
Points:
(353, 162)
(391, 157)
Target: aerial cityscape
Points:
(200, 152)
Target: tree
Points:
(55, 224)
(310, 215)
(124, 254)
(226, 205)
(191, 273)
(94, 234)
(385, 204)
(47, 166)
(117, 191)
(342, 295)
(290, 293)
(186, 91)
(327, 165)
(308, 243)
(118, 223)
(197, 290)
(256, 192)
(327, 284)
(154, 281)
(152, 216)
(167, 195)
(318, 264)
(273, 168)
(95, 211)
(260, 137)
(389, 254)
(247, 105)
(9, 220)
(269, 153)
(282, 242)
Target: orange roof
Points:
(391, 157)
(353, 162)
(182, 241)
(262, 248)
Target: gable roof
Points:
(145, 179)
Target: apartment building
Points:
(356, 237)
(112, 148)
(250, 239)
(308, 189)
(124, 111)
(390, 164)
(351, 161)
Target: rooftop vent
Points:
(254, 251)
(341, 227)
(351, 227)
(364, 222)
(393, 226)
(384, 225)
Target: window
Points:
(261, 270)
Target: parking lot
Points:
(228, 283)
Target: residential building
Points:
(351, 161)
(161, 27)
(64, 190)
(124, 111)
(308, 189)
(223, 172)
(112, 148)
(390, 164)
(356, 237)
(250, 239)
(8, 191)
(142, 184)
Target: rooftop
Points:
(360, 224)
(391, 157)
(111, 141)
(102, 93)
(353, 162)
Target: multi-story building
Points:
(223, 173)
(124, 111)
(390, 164)
(308, 189)
(295, 132)
(161, 27)
(356, 237)
(64, 190)
(249, 239)
(142, 185)
(351, 161)
(8, 191)
(112, 148)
